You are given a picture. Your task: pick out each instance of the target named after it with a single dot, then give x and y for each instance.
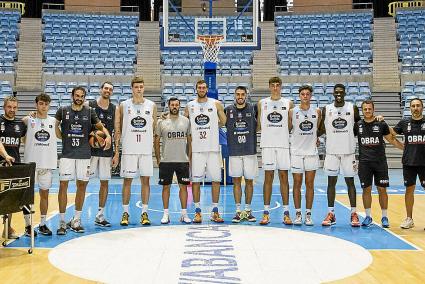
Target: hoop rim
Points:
(210, 39)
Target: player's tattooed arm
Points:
(321, 129)
(221, 115)
(117, 137)
(258, 116)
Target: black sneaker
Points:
(75, 225)
(237, 217)
(44, 230)
(62, 229)
(101, 221)
(28, 232)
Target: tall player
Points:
(372, 160)
(273, 123)
(138, 122)
(338, 124)
(241, 126)
(74, 124)
(102, 160)
(303, 121)
(205, 115)
(41, 148)
(413, 159)
(174, 131)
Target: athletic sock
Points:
(184, 212)
(125, 208)
(285, 208)
(27, 220)
(198, 205)
(42, 220)
(384, 212)
(353, 209)
(248, 207)
(77, 214)
(298, 210)
(331, 209)
(166, 211)
(238, 207)
(62, 216)
(100, 211)
(367, 210)
(267, 208)
(308, 211)
(144, 208)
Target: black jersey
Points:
(414, 141)
(76, 127)
(107, 117)
(370, 136)
(11, 132)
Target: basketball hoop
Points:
(210, 46)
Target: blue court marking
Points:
(373, 238)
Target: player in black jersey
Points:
(413, 159)
(372, 159)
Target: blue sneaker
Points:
(367, 221)
(385, 223)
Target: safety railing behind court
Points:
(392, 7)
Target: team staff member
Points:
(102, 160)
(74, 124)
(241, 126)
(173, 157)
(372, 160)
(413, 159)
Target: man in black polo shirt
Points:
(413, 159)
(372, 160)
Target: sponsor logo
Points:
(339, 123)
(306, 125)
(369, 141)
(202, 119)
(375, 129)
(76, 128)
(14, 183)
(274, 117)
(240, 125)
(10, 141)
(176, 134)
(2, 127)
(42, 136)
(416, 139)
(17, 128)
(147, 112)
(138, 122)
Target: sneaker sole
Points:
(328, 225)
(298, 224)
(217, 221)
(252, 220)
(101, 225)
(196, 222)
(236, 221)
(165, 223)
(309, 224)
(76, 231)
(45, 234)
(61, 234)
(145, 224)
(387, 226)
(124, 224)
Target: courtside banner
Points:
(16, 187)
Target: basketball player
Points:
(303, 121)
(413, 159)
(102, 160)
(241, 126)
(372, 160)
(41, 148)
(12, 130)
(273, 123)
(8, 159)
(138, 121)
(338, 124)
(174, 131)
(74, 124)
(205, 115)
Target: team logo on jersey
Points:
(42, 136)
(210, 110)
(339, 123)
(138, 122)
(2, 127)
(274, 117)
(283, 108)
(109, 117)
(101, 116)
(76, 128)
(240, 125)
(85, 117)
(360, 129)
(306, 125)
(76, 117)
(248, 114)
(202, 119)
(313, 116)
(347, 113)
(17, 128)
(423, 126)
(409, 127)
(375, 129)
(147, 112)
(50, 126)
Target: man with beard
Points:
(102, 160)
(205, 115)
(74, 124)
(241, 126)
(413, 159)
(174, 131)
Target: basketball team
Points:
(188, 145)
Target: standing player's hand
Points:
(115, 160)
(108, 142)
(379, 118)
(9, 160)
(32, 114)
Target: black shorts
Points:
(377, 171)
(166, 172)
(410, 173)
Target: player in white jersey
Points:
(138, 122)
(303, 121)
(273, 123)
(205, 115)
(338, 123)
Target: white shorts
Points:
(206, 164)
(246, 166)
(276, 159)
(306, 163)
(70, 169)
(100, 167)
(344, 164)
(44, 178)
(133, 165)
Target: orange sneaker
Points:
(198, 218)
(286, 218)
(266, 219)
(215, 217)
(355, 222)
(329, 220)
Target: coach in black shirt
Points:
(413, 159)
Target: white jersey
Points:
(274, 123)
(339, 123)
(41, 143)
(304, 131)
(137, 128)
(204, 126)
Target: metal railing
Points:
(13, 5)
(392, 7)
(329, 8)
(56, 6)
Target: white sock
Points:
(214, 205)
(125, 208)
(353, 209)
(367, 210)
(267, 208)
(100, 211)
(384, 212)
(198, 205)
(166, 211)
(238, 207)
(144, 208)
(308, 211)
(298, 210)
(248, 207)
(62, 216)
(42, 220)
(77, 214)
(27, 220)
(331, 209)
(184, 212)
(285, 208)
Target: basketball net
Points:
(210, 46)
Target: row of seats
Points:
(5, 89)
(9, 34)
(73, 18)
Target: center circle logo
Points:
(202, 119)
(138, 122)
(339, 123)
(240, 125)
(42, 136)
(306, 125)
(274, 117)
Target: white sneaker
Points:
(185, 219)
(165, 219)
(308, 221)
(407, 223)
(298, 219)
